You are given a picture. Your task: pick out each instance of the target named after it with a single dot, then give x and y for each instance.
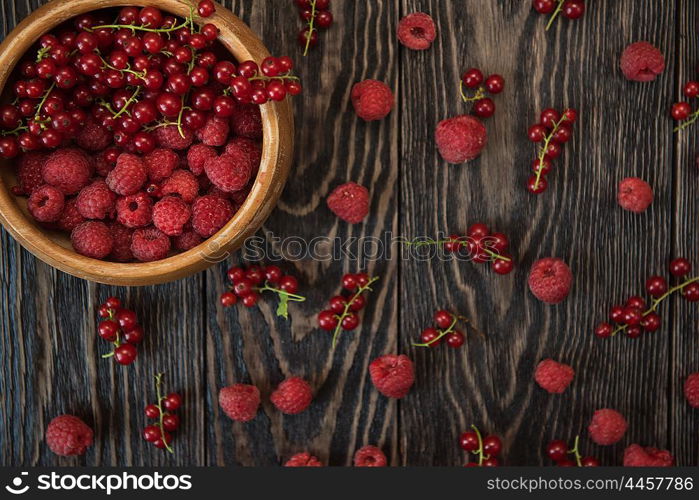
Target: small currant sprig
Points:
(486, 449)
(125, 108)
(161, 410)
(348, 307)
(682, 111)
(473, 79)
(317, 15)
(167, 421)
(553, 131)
(558, 451)
(543, 150)
(446, 327)
(187, 23)
(571, 9)
(311, 27)
(284, 298)
(120, 327)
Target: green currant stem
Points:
(542, 151)
(127, 69)
(128, 103)
(656, 302)
(187, 22)
(270, 78)
(291, 296)
(442, 333)
(495, 255)
(43, 101)
(693, 117)
(576, 451)
(480, 94)
(479, 452)
(311, 28)
(16, 131)
(558, 10)
(42, 53)
(346, 311)
(158, 383)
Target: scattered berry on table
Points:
(553, 376)
(637, 456)
(550, 280)
(634, 194)
(317, 16)
(370, 456)
(558, 451)
(292, 396)
(167, 422)
(120, 327)
(461, 138)
(642, 62)
(240, 401)
(372, 100)
(417, 31)
(350, 202)
(607, 427)
(551, 133)
(446, 323)
(303, 459)
(472, 79)
(68, 435)
(393, 375)
(691, 389)
(486, 450)
(570, 9)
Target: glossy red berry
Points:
(589, 462)
(429, 336)
(455, 339)
(472, 78)
(656, 286)
(502, 266)
(127, 319)
(680, 111)
(251, 299)
(289, 284)
(604, 330)
(680, 267)
(557, 450)
(544, 6)
(350, 321)
(492, 445)
(151, 433)
(327, 320)
(651, 322)
(228, 299)
(632, 316)
(573, 9)
(108, 330)
(443, 318)
(172, 401)
(469, 441)
(495, 84)
(152, 411)
(691, 292)
(349, 282)
(206, 8)
(536, 187)
(135, 336)
(634, 331)
(691, 89)
(171, 422)
(636, 301)
(125, 354)
(273, 274)
(484, 108)
(537, 132)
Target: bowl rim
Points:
(277, 147)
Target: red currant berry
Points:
(490, 462)
(273, 274)
(324, 19)
(537, 133)
(502, 266)
(565, 463)
(492, 445)
(472, 78)
(656, 286)
(206, 8)
(135, 336)
(570, 114)
(235, 274)
(544, 6)
(362, 279)
(443, 318)
(484, 108)
(495, 84)
(358, 303)
(636, 301)
(172, 401)
(691, 292)
(171, 422)
(651, 322)
(350, 322)
(469, 441)
(557, 450)
(632, 316)
(573, 9)
(108, 330)
(691, 89)
(327, 320)
(455, 339)
(589, 462)
(680, 267)
(349, 282)
(125, 354)
(289, 284)
(251, 299)
(537, 187)
(243, 287)
(255, 274)
(562, 134)
(127, 319)
(113, 302)
(549, 117)
(152, 411)
(308, 38)
(544, 165)
(151, 433)
(633, 332)
(337, 304)
(680, 111)
(604, 330)
(616, 314)
(429, 337)
(163, 441)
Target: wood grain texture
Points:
(51, 350)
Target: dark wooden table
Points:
(51, 353)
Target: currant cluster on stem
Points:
(167, 422)
(571, 9)
(445, 330)
(552, 132)
(473, 80)
(682, 111)
(249, 283)
(485, 450)
(558, 451)
(120, 327)
(483, 246)
(145, 70)
(637, 316)
(343, 310)
(317, 16)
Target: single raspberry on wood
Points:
(160, 164)
(46, 204)
(638, 456)
(372, 100)
(68, 435)
(392, 375)
(122, 236)
(642, 62)
(635, 194)
(350, 202)
(229, 172)
(417, 31)
(150, 244)
(460, 139)
(67, 170)
(135, 211)
(169, 137)
(303, 459)
(129, 175)
(240, 401)
(550, 280)
(92, 239)
(292, 396)
(552, 376)
(96, 201)
(29, 174)
(369, 456)
(247, 121)
(607, 427)
(691, 389)
(214, 132)
(183, 184)
(71, 217)
(197, 157)
(209, 214)
(93, 136)
(170, 215)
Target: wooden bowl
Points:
(55, 249)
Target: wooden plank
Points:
(620, 133)
(252, 346)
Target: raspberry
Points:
(128, 176)
(247, 121)
(350, 202)
(67, 170)
(460, 139)
(550, 280)
(149, 244)
(292, 396)
(635, 194)
(229, 172)
(96, 201)
(92, 239)
(122, 236)
(392, 375)
(170, 215)
(553, 376)
(240, 401)
(68, 435)
(214, 132)
(160, 164)
(252, 148)
(638, 456)
(417, 31)
(691, 390)
(369, 456)
(304, 459)
(169, 137)
(186, 241)
(209, 214)
(197, 157)
(70, 218)
(29, 173)
(642, 62)
(46, 204)
(372, 100)
(183, 184)
(93, 136)
(607, 427)
(135, 211)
